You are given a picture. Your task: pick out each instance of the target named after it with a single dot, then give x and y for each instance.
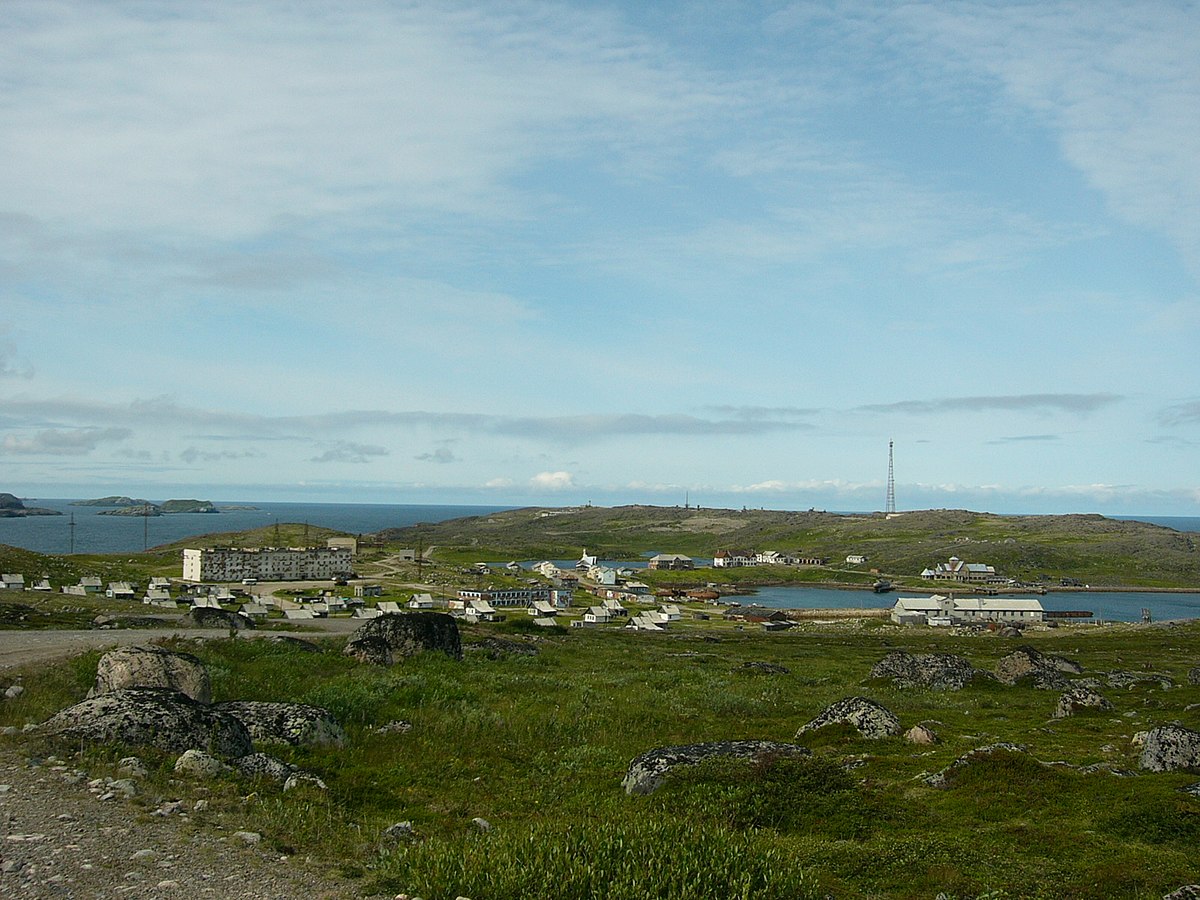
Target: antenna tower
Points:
(889, 505)
(72, 534)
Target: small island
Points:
(12, 507)
(111, 501)
(167, 508)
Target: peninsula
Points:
(12, 507)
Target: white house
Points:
(298, 614)
(421, 601)
(957, 570)
(602, 575)
(939, 610)
(43, 585)
(542, 608)
(597, 615)
(646, 622)
(364, 613)
(615, 608)
(730, 559)
(119, 590)
(388, 606)
(12, 582)
(671, 611)
(670, 561)
(855, 559)
(480, 611)
(207, 603)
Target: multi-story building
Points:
(265, 563)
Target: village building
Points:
(12, 582)
(265, 563)
(940, 610)
(957, 570)
(597, 615)
(421, 601)
(368, 590)
(670, 561)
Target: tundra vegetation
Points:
(536, 745)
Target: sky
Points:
(555, 253)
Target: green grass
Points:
(537, 745)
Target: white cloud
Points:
(62, 442)
(555, 481)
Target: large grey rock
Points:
(869, 718)
(1127, 680)
(260, 765)
(406, 634)
(1080, 697)
(647, 771)
(207, 617)
(297, 724)
(169, 720)
(938, 671)
(153, 667)
(1186, 892)
(1170, 748)
(371, 650)
(1047, 673)
(199, 764)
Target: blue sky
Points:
(554, 253)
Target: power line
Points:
(889, 505)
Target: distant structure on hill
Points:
(889, 503)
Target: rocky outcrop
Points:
(945, 777)
(647, 771)
(260, 765)
(198, 764)
(1186, 892)
(1047, 673)
(869, 718)
(1127, 680)
(12, 507)
(1079, 698)
(758, 667)
(169, 720)
(297, 724)
(1170, 748)
(922, 735)
(936, 671)
(206, 617)
(152, 667)
(371, 650)
(406, 634)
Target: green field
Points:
(537, 746)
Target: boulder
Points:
(371, 650)
(207, 617)
(1193, 675)
(1046, 673)
(869, 718)
(295, 643)
(169, 720)
(199, 764)
(938, 671)
(1080, 697)
(943, 778)
(1186, 892)
(260, 765)
(152, 667)
(406, 634)
(297, 724)
(922, 735)
(647, 771)
(1170, 748)
(758, 667)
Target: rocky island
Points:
(12, 507)
(168, 507)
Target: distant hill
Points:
(111, 501)
(146, 508)
(12, 507)
(1091, 548)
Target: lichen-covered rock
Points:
(1080, 697)
(869, 718)
(406, 634)
(207, 617)
(945, 776)
(937, 671)
(758, 667)
(1186, 892)
(1170, 748)
(294, 643)
(157, 717)
(1193, 675)
(1047, 673)
(152, 667)
(371, 650)
(1127, 680)
(260, 765)
(647, 771)
(297, 724)
(198, 764)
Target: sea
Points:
(94, 533)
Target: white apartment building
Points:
(265, 563)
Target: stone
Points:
(169, 720)
(401, 832)
(133, 766)
(199, 764)
(207, 617)
(13, 691)
(1080, 697)
(1127, 680)
(757, 667)
(297, 724)
(1170, 748)
(125, 787)
(936, 671)
(647, 771)
(869, 718)
(152, 667)
(922, 735)
(260, 765)
(1186, 892)
(943, 778)
(304, 779)
(1193, 675)
(1046, 673)
(409, 633)
(371, 650)
(482, 824)
(247, 837)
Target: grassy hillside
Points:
(537, 745)
(1092, 548)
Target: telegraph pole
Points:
(889, 504)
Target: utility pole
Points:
(889, 504)
(72, 534)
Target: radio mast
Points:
(889, 505)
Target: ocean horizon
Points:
(95, 533)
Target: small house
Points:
(120, 590)
(388, 606)
(368, 590)
(597, 615)
(12, 582)
(542, 608)
(421, 601)
(298, 615)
